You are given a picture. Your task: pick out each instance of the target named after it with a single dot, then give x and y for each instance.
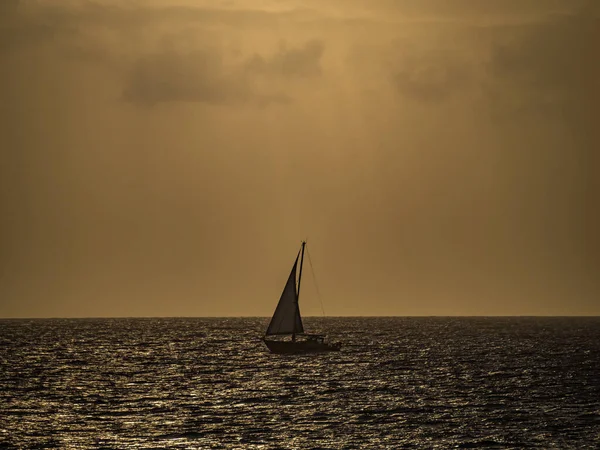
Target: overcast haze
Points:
(166, 158)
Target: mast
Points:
(298, 291)
(300, 276)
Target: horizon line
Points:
(309, 316)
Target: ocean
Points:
(203, 383)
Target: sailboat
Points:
(287, 322)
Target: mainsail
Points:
(286, 319)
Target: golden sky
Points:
(166, 158)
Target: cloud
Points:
(552, 64)
(518, 56)
(432, 77)
(199, 76)
(19, 29)
(203, 76)
(303, 61)
(174, 63)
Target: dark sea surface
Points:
(210, 383)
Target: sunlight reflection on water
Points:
(210, 383)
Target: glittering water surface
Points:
(210, 383)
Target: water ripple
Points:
(210, 383)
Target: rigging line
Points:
(315, 280)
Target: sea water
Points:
(187, 383)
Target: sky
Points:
(166, 158)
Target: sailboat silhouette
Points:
(287, 321)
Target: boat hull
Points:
(298, 347)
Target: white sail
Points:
(286, 319)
